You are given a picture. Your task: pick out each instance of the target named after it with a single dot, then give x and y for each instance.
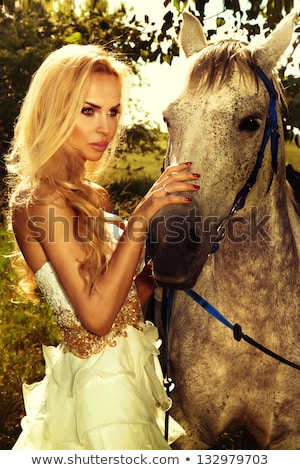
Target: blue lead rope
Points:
(237, 334)
(236, 328)
(209, 308)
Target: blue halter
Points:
(270, 132)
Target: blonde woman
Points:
(103, 384)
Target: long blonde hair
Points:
(40, 163)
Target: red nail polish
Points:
(196, 175)
(196, 186)
(188, 163)
(188, 199)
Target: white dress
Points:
(98, 392)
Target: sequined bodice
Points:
(75, 337)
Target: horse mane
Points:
(216, 63)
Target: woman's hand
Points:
(166, 190)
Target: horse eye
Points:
(249, 124)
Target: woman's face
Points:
(99, 117)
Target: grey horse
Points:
(227, 121)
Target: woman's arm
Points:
(52, 228)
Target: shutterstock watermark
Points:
(250, 229)
(174, 229)
(55, 227)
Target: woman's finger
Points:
(176, 187)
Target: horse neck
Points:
(253, 276)
(266, 234)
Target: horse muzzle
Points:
(178, 246)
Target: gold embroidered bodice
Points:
(75, 338)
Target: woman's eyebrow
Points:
(92, 105)
(99, 107)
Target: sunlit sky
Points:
(160, 81)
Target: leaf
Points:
(232, 5)
(178, 6)
(274, 9)
(168, 22)
(144, 55)
(288, 5)
(297, 140)
(220, 22)
(75, 38)
(254, 11)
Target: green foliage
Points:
(24, 42)
(271, 12)
(136, 168)
(142, 139)
(292, 117)
(26, 37)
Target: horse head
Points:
(220, 122)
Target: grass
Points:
(292, 153)
(25, 326)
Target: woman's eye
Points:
(249, 124)
(113, 112)
(87, 111)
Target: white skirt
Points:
(111, 400)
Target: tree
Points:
(271, 12)
(30, 29)
(28, 35)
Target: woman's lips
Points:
(99, 146)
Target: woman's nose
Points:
(103, 126)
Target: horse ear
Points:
(192, 37)
(268, 53)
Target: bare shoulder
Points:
(27, 238)
(35, 225)
(26, 213)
